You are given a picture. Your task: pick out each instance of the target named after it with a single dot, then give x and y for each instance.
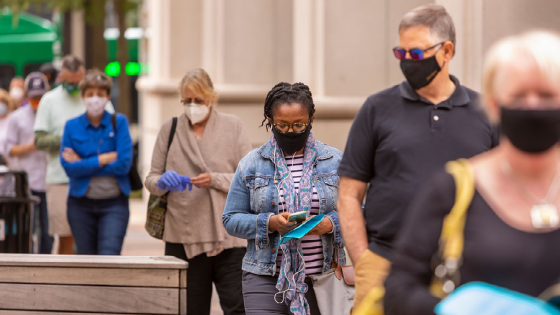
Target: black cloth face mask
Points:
(291, 142)
(420, 73)
(531, 131)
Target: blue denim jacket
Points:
(253, 198)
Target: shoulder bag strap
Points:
(114, 122)
(446, 277)
(172, 133)
(452, 236)
(170, 140)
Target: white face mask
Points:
(3, 108)
(95, 105)
(17, 93)
(196, 113)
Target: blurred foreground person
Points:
(511, 231)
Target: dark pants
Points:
(259, 291)
(98, 225)
(224, 270)
(41, 220)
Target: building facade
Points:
(341, 49)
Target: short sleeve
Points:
(358, 159)
(42, 116)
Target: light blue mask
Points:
(301, 230)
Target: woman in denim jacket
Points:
(292, 172)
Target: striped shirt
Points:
(311, 244)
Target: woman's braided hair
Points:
(286, 93)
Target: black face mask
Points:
(291, 142)
(420, 73)
(531, 131)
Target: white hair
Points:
(541, 46)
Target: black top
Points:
(398, 140)
(494, 252)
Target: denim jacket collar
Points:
(267, 151)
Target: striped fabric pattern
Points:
(311, 244)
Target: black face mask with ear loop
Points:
(291, 142)
(420, 73)
(531, 131)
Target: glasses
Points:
(190, 100)
(415, 54)
(297, 127)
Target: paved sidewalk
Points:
(139, 243)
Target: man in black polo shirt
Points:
(400, 137)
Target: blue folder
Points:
(301, 230)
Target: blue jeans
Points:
(41, 219)
(98, 225)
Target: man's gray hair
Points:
(436, 18)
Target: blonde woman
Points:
(206, 147)
(508, 241)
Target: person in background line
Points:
(6, 106)
(97, 159)
(511, 234)
(207, 146)
(400, 137)
(57, 107)
(20, 145)
(17, 92)
(290, 173)
(51, 73)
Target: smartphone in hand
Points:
(298, 217)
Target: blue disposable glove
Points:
(171, 181)
(186, 182)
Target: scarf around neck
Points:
(291, 279)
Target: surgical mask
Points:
(3, 108)
(17, 93)
(95, 105)
(196, 113)
(420, 73)
(531, 131)
(72, 89)
(291, 142)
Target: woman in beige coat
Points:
(206, 148)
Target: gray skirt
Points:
(259, 291)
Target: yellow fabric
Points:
(451, 236)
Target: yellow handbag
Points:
(446, 275)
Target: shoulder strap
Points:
(172, 133)
(114, 121)
(452, 237)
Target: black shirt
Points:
(494, 252)
(398, 140)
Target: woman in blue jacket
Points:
(97, 159)
(291, 173)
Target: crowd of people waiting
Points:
(384, 204)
